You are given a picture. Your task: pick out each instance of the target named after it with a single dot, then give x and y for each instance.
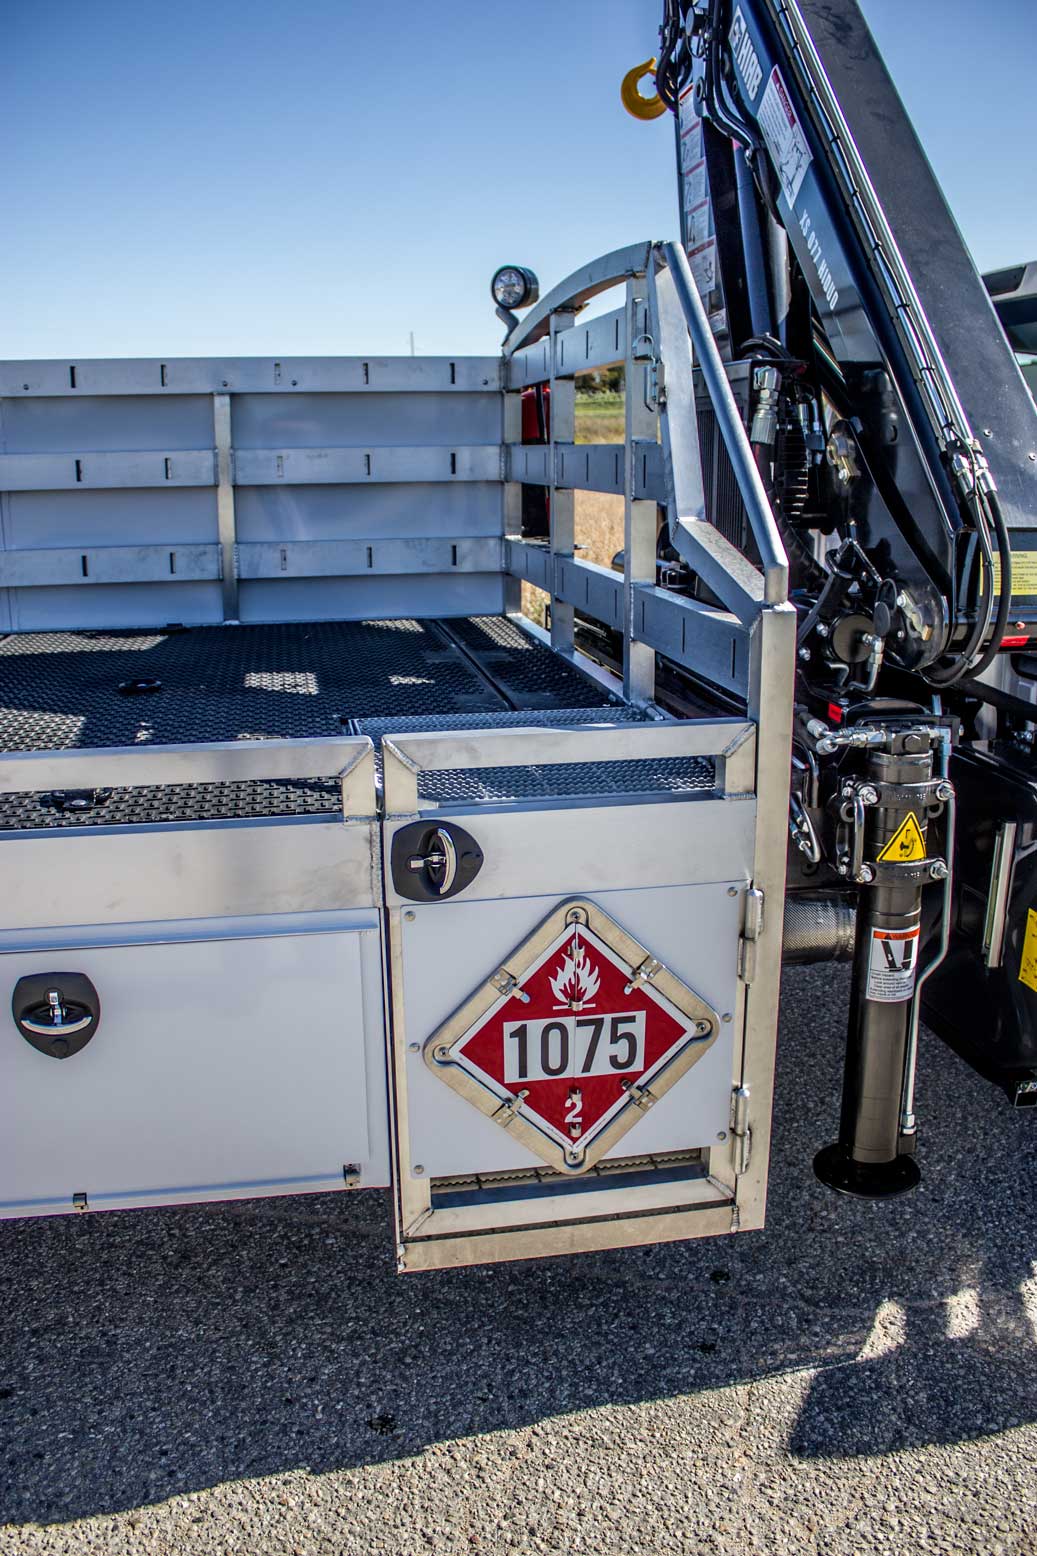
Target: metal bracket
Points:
(740, 1130)
(506, 983)
(752, 926)
(997, 895)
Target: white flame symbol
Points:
(576, 982)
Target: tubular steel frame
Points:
(660, 336)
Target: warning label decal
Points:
(907, 845)
(1024, 574)
(1028, 960)
(892, 964)
(785, 139)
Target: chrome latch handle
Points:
(430, 862)
(57, 1013)
(56, 1017)
(440, 855)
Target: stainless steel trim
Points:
(997, 895)
(350, 758)
(405, 756)
(577, 290)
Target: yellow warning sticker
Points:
(906, 845)
(1024, 574)
(1028, 960)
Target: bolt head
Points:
(869, 794)
(938, 870)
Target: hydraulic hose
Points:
(963, 665)
(1004, 603)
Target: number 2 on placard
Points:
(574, 1112)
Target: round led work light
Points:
(513, 286)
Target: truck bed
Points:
(178, 686)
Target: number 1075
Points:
(574, 1046)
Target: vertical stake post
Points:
(225, 518)
(563, 498)
(640, 516)
(512, 498)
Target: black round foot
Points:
(835, 1167)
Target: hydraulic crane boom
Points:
(897, 443)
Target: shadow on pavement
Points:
(145, 1353)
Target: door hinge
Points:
(752, 925)
(740, 1130)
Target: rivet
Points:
(419, 1170)
(727, 1016)
(415, 1048)
(722, 1135)
(410, 915)
(732, 891)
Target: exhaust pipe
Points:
(818, 929)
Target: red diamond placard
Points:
(574, 1038)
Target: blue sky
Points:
(248, 178)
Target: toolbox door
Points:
(193, 1003)
(566, 921)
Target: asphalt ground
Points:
(255, 1378)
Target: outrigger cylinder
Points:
(873, 1158)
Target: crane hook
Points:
(633, 101)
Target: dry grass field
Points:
(599, 515)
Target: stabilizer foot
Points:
(836, 1169)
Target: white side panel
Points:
(449, 948)
(220, 1067)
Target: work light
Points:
(513, 286)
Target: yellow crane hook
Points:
(641, 107)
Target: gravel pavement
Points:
(255, 1378)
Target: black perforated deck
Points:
(226, 683)
(529, 675)
(287, 681)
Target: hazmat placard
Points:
(573, 1038)
(892, 964)
(907, 844)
